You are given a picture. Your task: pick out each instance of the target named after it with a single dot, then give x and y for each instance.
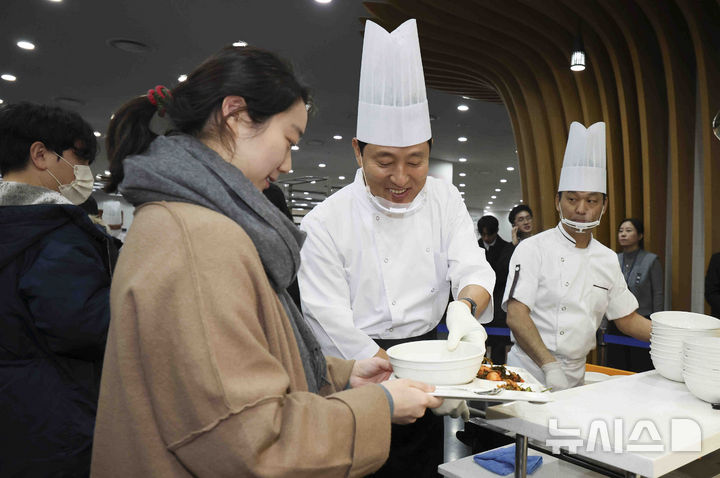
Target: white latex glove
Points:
(463, 326)
(454, 408)
(555, 378)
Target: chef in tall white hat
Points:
(383, 254)
(562, 281)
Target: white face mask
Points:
(394, 208)
(581, 227)
(81, 187)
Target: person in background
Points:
(521, 220)
(383, 253)
(114, 217)
(564, 281)
(497, 252)
(210, 368)
(90, 206)
(54, 292)
(644, 277)
(712, 285)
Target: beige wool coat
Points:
(202, 374)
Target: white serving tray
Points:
(468, 391)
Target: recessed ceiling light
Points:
(305, 193)
(292, 200)
(462, 160)
(462, 175)
(341, 178)
(1, 101)
(303, 204)
(463, 107)
(295, 147)
(515, 205)
(462, 192)
(510, 168)
(323, 1)
(337, 136)
(313, 182)
(493, 197)
(521, 200)
(503, 180)
(291, 171)
(462, 139)
(497, 190)
(8, 77)
(286, 185)
(182, 78)
(466, 97)
(462, 185)
(490, 202)
(26, 45)
(56, 1)
(240, 43)
(97, 134)
(107, 172)
(321, 165)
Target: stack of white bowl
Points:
(669, 330)
(701, 367)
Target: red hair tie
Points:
(159, 97)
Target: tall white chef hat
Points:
(584, 164)
(393, 107)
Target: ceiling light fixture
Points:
(107, 172)
(8, 77)
(97, 134)
(337, 136)
(503, 180)
(295, 147)
(182, 78)
(323, 1)
(462, 139)
(577, 59)
(240, 43)
(510, 168)
(462, 160)
(291, 171)
(341, 178)
(26, 45)
(462, 175)
(56, 1)
(463, 107)
(462, 185)
(305, 193)
(493, 197)
(497, 190)
(313, 182)
(321, 165)
(1, 101)
(490, 202)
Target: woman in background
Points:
(644, 277)
(210, 368)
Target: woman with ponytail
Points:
(210, 368)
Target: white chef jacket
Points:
(568, 290)
(365, 274)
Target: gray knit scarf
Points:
(181, 168)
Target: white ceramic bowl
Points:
(700, 365)
(430, 361)
(684, 320)
(703, 390)
(668, 368)
(709, 345)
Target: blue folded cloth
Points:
(502, 461)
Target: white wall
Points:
(127, 208)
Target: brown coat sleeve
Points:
(223, 370)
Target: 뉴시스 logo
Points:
(685, 435)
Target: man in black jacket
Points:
(497, 253)
(54, 293)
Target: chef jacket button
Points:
(386, 260)
(567, 283)
(562, 259)
(563, 308)
(427, 249)
(562, 332)
(432, 290)
(377, 218)
(394, 302)
(390, 329)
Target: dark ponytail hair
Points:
(638, 225)
(266, 82)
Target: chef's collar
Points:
(566, 238)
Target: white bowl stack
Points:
(701, 367)
(669, 330)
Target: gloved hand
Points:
(454, 408)
(555, 378)
(463, 326)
